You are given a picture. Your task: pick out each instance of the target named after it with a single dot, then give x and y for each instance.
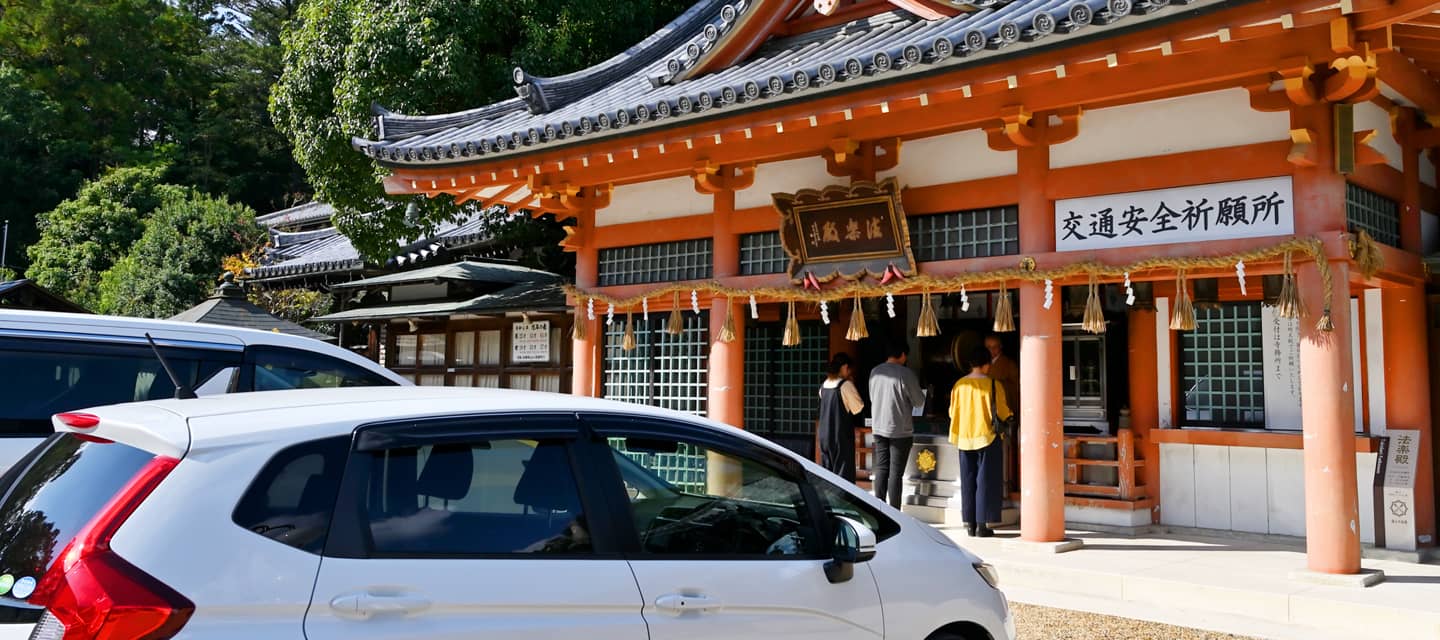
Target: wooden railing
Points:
(1127, 463)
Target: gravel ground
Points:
(1045, 623)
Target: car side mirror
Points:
(854, 543)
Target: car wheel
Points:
(960, 632)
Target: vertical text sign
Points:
(530, 341)
(1222, 211)
(1399, 494)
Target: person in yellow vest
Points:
(977, 404)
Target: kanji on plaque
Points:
(845, 231)
(1222, 211)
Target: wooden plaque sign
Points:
(846, 232)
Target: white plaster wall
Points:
(654, 200)
(1248, 489)
(1374, 362)
(1162, 127)
(1357, 398)
(785, 177)
(1427, 170)
(1369, 115)
(954, 157)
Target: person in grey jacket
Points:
(894, 393)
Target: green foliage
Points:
(295, 305)
(84, 236)
(38, 166)
(423, 56)
(175, 262)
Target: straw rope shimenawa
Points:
(925, 284)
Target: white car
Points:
(458, 513)
(54, 362)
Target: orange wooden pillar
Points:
(1407, 391)
(585, 374)
(1332, 525)
(1145, 399)
(726, 385)
(1042, 429)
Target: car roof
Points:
(238, 418)
(80, 326)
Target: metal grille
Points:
(976, 233)
(762, 253)
(685, 468)
(1222, 376)
(662, 370)
(660, 262)
(782, 383)
(1374, 213)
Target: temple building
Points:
(1197, 226)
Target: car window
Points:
(64, 487)
(217, 384)
(53, 376)
(503, 496)
(292, 499)
(277, 369)
(690, 500)
(839, 502)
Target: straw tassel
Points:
(792, 328)
(928, 326)
(1368, 258)
(1289, 305)
(1004, 316)
(1184, 316)
(628, 344)
(857, 330)
(727, 328)
(1094, 320)
(677, 323)
(579, 329)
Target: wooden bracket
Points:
(1295, 75)
(1303, 152)
(1351, 80)
(840, 157)
(711, 178)
(1019, 128)
(849, 158)
(1364, 153)
(1263, 99)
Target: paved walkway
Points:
(1231, 585)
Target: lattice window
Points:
(976, 233)
(1222, 374)
(1376, 214)
(662, 370)
(685, 468)
(659, 262)
(762, 253)
(782, 383)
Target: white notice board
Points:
(530, 341)
(1398, 497)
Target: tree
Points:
(84, 236)
(423, 56)
(175, 262)
(38, 167)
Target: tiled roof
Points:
(460, 271)
(327, 251)
(228, 307)
(299, 214)
(526, 296)
(634, 91)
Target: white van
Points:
(55, 362)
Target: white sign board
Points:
(1281, 349)
(530, 341)
(1223, 211)
(1398, 497)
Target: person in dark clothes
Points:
(975, 402)
(840, 409)
(894, 393)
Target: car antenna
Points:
(182, 392)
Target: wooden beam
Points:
(1410, 80)
(1397, 12)
(1416, 32)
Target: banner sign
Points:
(849, 232)
(1222, 211)
(530, 341)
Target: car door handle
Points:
(364, 605)
(678, 603)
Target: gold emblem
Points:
(925, 461)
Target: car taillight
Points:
(90, 593)
(78, 420)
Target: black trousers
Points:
(982, 479)
(891, 456)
